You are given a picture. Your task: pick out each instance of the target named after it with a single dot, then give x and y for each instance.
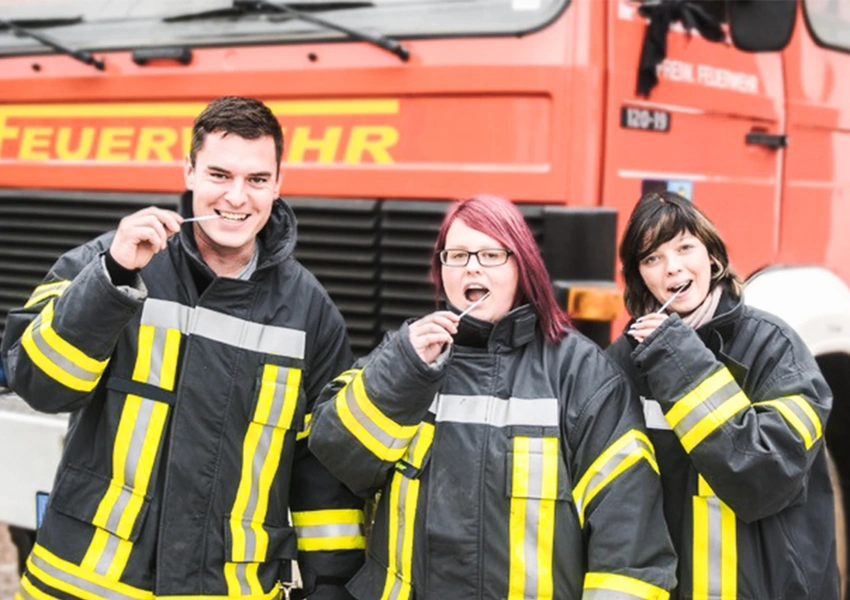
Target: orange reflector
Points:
(595, 302)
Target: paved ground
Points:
(8, 565)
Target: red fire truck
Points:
(393, 107)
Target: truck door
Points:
(709, 130)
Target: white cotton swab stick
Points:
(670, 299)
(203, 218)
(474, 304)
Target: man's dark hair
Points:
(246, 117)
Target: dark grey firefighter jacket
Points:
(186, 448)
(736, 411)
(516, 470)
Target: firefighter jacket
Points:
(736, 411)
(187, 444)
(516, 470)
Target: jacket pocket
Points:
(100, 501)
(280, 400)
(535, 467)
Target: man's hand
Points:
(429, 334)
(646, 324)
(143, 234)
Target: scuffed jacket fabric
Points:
(187, 443)
(516, 470)
(736, 411)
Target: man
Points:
(191, 355)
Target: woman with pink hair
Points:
(508, 450)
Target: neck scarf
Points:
(703, 313)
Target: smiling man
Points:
(191, 355)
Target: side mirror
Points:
(759, 26)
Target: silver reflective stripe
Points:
(801, 414)
(224, 328)
(608, 595)
(403, 485)
(278, 399)
(701, 410)
(532, 514)
(612, 463)
(260, 454)
(367, 423)
(108, 555)
(714, 546)
(58, 359)
(329, 531)
(497, 412)
(242, 577)
(653, 415)
(395, 592)
(78, 582)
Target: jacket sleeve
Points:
(373, 412)
(755, 450)
(617, 492)
(57, 346)
(328, 518)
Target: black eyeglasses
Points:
(488, 257)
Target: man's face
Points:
(237, 179)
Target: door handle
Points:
(774, 141)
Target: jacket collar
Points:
(514, 330)
(276, 240)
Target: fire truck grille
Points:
(371, 255)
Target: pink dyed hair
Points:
(502, 221)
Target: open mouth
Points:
(230, 216)
(474, 292)
(677, 289)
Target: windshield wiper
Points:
(80, 55)
(242, 7)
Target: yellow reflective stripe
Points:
(119, 561)
(715, 546)
(546, 526)
(519, 493)
(72, 353)
(144, 468)
(168, 373)
(340, 542)
(729, 408)
(268, 386)
(383, 422)
(794, 420)
(305, 433)
(700, 549)
(253, 579)
(249, 446)
(698, 395)
(609, 465)
(45, 291)
(290, 398)
(66, 567)
(33, 591)
(404, 496)
(393, 511)
(729, 552)
(332, 516)
(264, 485)
(233, 585)
(625, 585)
(64, 349)
(376, 418)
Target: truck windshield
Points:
(115, 25)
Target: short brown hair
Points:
(657, 218)
(246, 117)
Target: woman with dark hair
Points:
(735, 405)
(509, 451)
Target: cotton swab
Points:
(474, 304)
